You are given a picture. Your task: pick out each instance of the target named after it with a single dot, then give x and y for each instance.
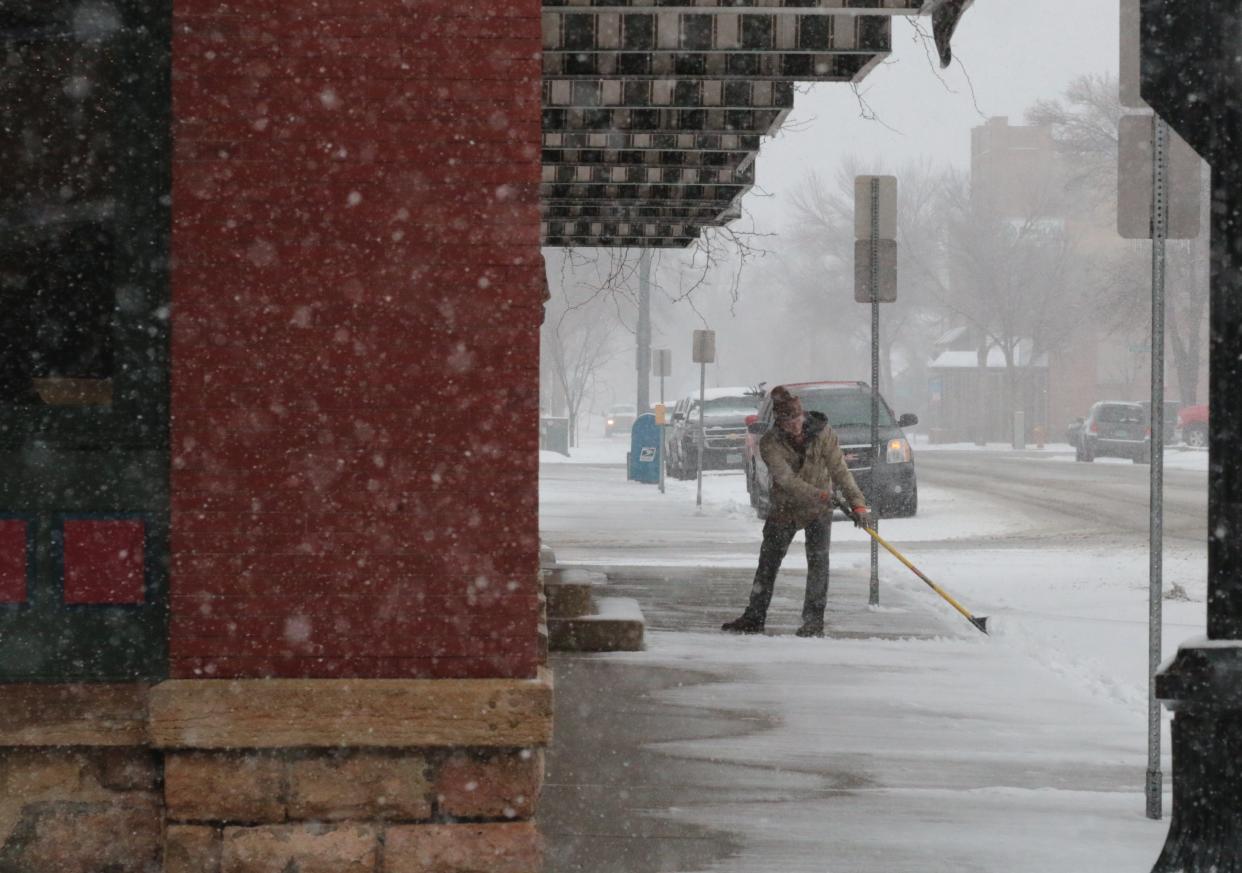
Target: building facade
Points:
(271, 290)
(1019, 175)
(270, 537)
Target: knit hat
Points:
(784, 404)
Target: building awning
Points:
(653, 111)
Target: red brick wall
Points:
(356, 290)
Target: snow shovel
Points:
(979, 621)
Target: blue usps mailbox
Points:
(646, 450)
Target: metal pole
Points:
(874, 596)
(663, 437)
(1155, 522)
(643, 354)
(698, 501)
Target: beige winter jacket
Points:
(798, 480)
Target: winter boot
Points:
(744, 625)
(810, 629)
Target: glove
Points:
(862, 516)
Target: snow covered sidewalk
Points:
(904, 742)
(926, 749)
(910, 755)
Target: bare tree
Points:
(1017, 280)
(1084, 125)
(719, 257)
(824, 234)
(579, 339)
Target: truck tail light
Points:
(1095, 427)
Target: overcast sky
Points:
(1015, 51)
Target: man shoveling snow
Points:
(805, 463)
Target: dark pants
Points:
(776, 539)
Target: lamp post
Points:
(1191, 77)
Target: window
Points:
(846, 408)
(84, 220)
(71, 150)
(731, 406)
(1119, 413)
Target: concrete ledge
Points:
(547, 557)
(570, 599)
(618, 627)
(73, 715)
(355, 713)
(571, 591)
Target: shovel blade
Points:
(981, 622)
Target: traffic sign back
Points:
(887, 203)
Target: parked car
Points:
(889, 482)
(724, 424)
(1073, 432)
(619, 419)
(1171, 411)
(1115, 429)
(1192, 423)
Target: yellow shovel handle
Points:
(917, 572)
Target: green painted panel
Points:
(84, 300)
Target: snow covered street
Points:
(905, 741)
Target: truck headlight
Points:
(898, 451)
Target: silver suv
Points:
(1115, 429)
(724, 425)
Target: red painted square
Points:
(13, 557)
(104, 562)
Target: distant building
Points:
(1013, 170)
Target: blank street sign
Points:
(1130, 77)
(663, 362)
(704, 351)
(1134, 182)
(887, 272)
(862, 207)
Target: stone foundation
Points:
(134, 795)
(79, 811)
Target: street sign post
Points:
(662, 366)
(643, 350)
(884, 269)
(1155, 521)
(1136, 172)
(875, 281)
(878, 213)
(704, 348)
(662, 361)
(1158, 198)
(1130, 72)
(702, 353)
